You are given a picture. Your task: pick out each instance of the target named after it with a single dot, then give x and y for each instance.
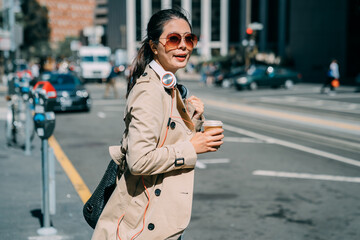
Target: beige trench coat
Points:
(167, 171)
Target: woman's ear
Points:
(153, 47)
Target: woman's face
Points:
(175, 59)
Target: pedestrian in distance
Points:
(153, 198)
(203, 73)
(332, 78)
(111, 81)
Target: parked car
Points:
(224, 79)
(71, 92)
(267, 76)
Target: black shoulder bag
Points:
(96, 203)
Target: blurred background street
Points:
(290, 164)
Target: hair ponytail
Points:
(142, 59)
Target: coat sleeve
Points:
(147, 117)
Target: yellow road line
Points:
(70, 171)
(279, 114)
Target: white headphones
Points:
(167, 79)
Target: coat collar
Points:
(151, 74)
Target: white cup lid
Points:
(212, 123)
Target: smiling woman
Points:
(153, 198)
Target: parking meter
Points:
(44, 121)
(11, 87)
(44, 118)
(25, 86)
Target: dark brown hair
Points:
(155, 28)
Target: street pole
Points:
(46, 229)
(28, 128)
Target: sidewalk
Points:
(21, 195)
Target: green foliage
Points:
(64, 48)
(36, 29)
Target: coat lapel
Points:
(182, 111)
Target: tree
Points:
(64, 49)
(36, 29)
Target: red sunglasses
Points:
(173, 41)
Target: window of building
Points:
(215, 20)
(102, 5)
(176, 4)
(138, 20)
(101, 15)
(196, 17)
(156, 6)
(234, 21)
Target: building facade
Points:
(101, 18)
(212, 31)
(305, 34)
(68, 17)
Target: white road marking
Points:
(294, 146)
(242, 140)
(53, 237)
(352, 106)
(201, 163)
(306, 176)
(101, 115)
(309, 102)
(215, 160)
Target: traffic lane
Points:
(86, 137)
(229, 201)
(336, 141)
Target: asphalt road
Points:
(289, 167)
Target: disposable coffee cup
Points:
(211, 124)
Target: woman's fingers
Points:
(198, 104)
(214, 131)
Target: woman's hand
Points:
(199, 106)
(208, 141)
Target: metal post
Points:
(46, 229)
(28, 129)
(52, 185)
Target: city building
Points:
(68, 17)
(101, 17)
(304, 34)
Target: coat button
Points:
(184, 110)
(151, 226)
(157, 192)
(144, 74)
(172, 125)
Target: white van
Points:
(94, 62)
